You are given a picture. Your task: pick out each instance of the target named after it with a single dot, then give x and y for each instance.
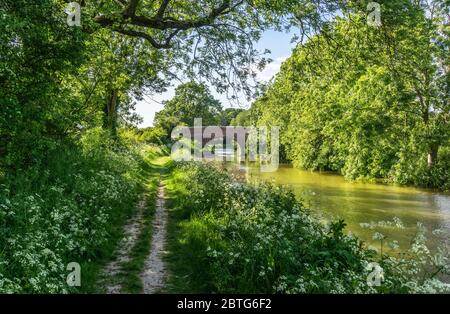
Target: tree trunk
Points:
(110, 111)
(432, 155)
(433, 148)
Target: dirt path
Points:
(131, 233)
(155, 268)
(154, 271)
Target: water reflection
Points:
(333, 197)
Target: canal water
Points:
(330, 196)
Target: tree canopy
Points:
(58, 80)
(191, 101)
(368, 102)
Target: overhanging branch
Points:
(165, 45)
(159, 22)
(131, 8)
(162, 9)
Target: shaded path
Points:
(155, 268)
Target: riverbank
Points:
(379, 181)
(330, 196)
(230, 237)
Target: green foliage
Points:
(346, 102)
(235, 237)
(154, 135)
(209, 40)
(36, 49)
(191, 101)
(242, 119)
(69, 208)
(374, 107)
(229, 114)
(117, 71)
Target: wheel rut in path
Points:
(131, 232)
(155, 271)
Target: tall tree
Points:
(208, 38)
(191, 101)
(37, 49)
(368, 101)
(117, 70)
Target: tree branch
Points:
(122, 3)
(131, 9)
(160, 23)
(162, 9)
(165, 45)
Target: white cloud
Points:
(271, 69)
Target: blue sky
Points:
(278, 43)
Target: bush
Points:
(67, 208)
(257, 238)
(412, 171)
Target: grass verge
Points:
(186, 273)
(226, 236)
